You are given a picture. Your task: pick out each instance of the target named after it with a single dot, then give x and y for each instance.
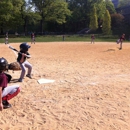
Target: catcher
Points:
(22, 56)
(6, 92)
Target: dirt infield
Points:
(91, 89)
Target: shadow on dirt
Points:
(14, 81)
(109, 50)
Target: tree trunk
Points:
(1, 29)
(25, 26)
(41, 26)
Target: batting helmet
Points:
(24, 47)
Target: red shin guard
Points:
(10, 96)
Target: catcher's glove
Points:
(14, 66)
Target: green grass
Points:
(59, 38)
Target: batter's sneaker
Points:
(20, 80)
(29, 76)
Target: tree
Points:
(106, 27)
(15, 21)
(28, 15)
(81, 12)
(117, 23)
(100, 8)
(9, 10)
(52, 10)
(110, 6)
(69, 15)
(93, 19)
(6, 8)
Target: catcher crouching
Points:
(6, 92)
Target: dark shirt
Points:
(122, 38)
(32, 35)
(3, 80)
(20, 56)
(93, 37)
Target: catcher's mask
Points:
(3, 64)
(24, 47)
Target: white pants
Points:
(9, 90)
(23, 66)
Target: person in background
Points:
(122, 38)
(92, 38)
(6, 38)
(32, 38)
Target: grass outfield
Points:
(59, 38)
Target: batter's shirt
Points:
(20, 56)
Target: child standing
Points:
(122, 38)
(32, 38)
(92, 39)
(6, 38)
(6, 92)
(22, 56)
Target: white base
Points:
(41, 81)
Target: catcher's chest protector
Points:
(9, 77)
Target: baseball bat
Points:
(18, 51)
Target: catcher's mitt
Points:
(14, 66)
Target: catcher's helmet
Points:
(3, 64)
(24, 47)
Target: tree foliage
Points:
(52, 10)
(15, 20)
(28, 16)
(58, 15)
(81, 12)
(110, 6)
(106, 27)
(100, 7)
(117, 23)
(93, 19)
(10, 10)
(5, 8)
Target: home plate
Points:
(43, 81)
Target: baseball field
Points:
(91, 88)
